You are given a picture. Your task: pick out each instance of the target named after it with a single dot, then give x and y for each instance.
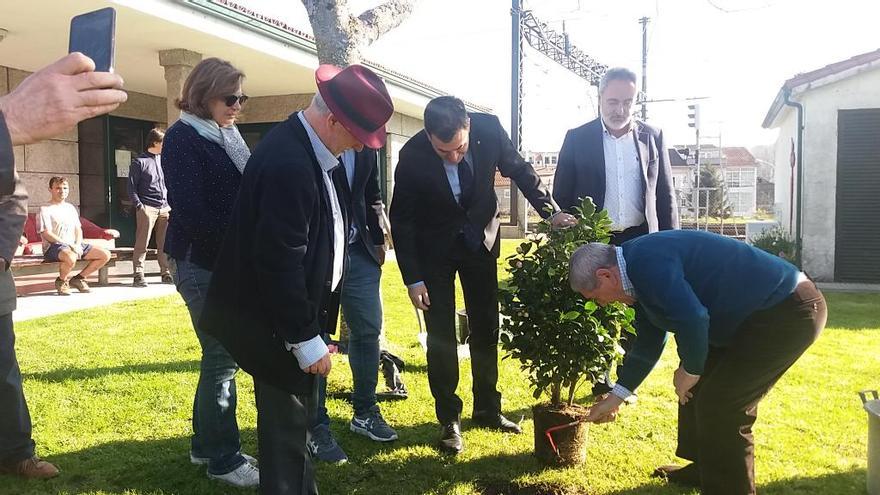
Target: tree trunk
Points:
(340, 37)
(571, 390)
(556, 394)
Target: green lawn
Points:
(110, 392)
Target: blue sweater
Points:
(700, 287)
(202, 185)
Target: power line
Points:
(734, 11)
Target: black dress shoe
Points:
(682, 475)
(450, 438)
(497, 422)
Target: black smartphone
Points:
(94, 34)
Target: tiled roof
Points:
(830, 69)
(501, 181)
(814, 76)
(737, 156)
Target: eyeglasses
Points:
(231, 99)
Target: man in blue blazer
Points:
(741, 317)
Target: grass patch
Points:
(110, 392)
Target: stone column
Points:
(178, 63)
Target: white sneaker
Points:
(202, 461)
(244, 476)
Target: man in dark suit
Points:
(48, 103)
(741, 317)
(270, 298)
(623, 165)
(445, 220)
(619, 162)
(361, 304)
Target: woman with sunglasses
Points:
(203, 158)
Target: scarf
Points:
(227, 138)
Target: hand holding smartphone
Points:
(94, 35)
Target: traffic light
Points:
(694, 116)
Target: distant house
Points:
(739, 172)
(544, 163)
(841, 167)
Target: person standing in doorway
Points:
(146, 188)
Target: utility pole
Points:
(516, 64)
(526, 28)
(694, 116)
(644, 22)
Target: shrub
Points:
(561, 339)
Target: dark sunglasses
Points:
(231, 99)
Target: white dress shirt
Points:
(624, 189)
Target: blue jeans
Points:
(362, 310)
(215, 429)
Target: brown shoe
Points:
(62, 286)
(80, 284)
(32, 468)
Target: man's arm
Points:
(13, 204)
(372, 196)
(404, 205)
(641, 359)
(564, 179)
(513, 165)
(280, 246)
(44, 227)
(667, 205)
(134, 178)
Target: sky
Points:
(737, 53)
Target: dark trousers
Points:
(16, 443)
(626, 340)
(282, 432)
(715, 427)
(479, 282)
(618, 238)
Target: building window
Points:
(740, 177)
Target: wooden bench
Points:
(127, 254)
(33, 264)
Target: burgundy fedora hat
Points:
(357, 97)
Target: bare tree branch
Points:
(340, 37)
(383, 18)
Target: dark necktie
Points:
(465, 183)
(473, 236)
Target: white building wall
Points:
(820, 162)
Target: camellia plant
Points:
(560, 339)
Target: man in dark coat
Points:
(620, 162)
(445, 220)
(282, 258)
(46, 104)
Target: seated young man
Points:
(59, 226)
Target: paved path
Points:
(38, 297)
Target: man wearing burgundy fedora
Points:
(445, 220)
(275, 286)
